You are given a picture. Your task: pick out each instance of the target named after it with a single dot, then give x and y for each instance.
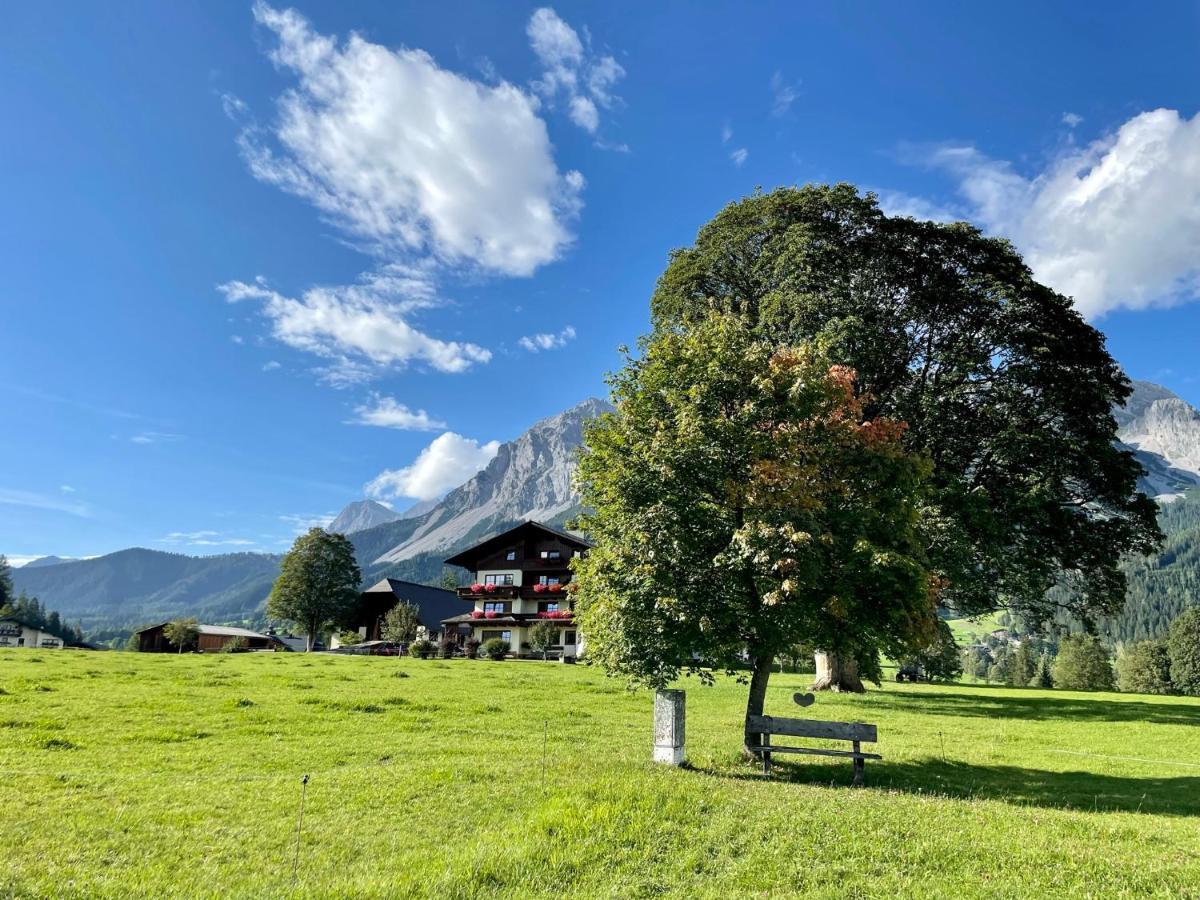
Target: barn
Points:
(211, 639)
(433, 605)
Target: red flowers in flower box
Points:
(477, 588)
(490, 614)
(539, 589)
(490, 588)
(556, 588)
(477, 614)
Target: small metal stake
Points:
(545, 741)
(299, 825)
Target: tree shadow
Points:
(1037, 707)
(1084, 791)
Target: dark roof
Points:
(434, 603)
(467, 558)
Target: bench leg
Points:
(860, 766)
(766, 760)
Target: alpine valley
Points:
(531, 478)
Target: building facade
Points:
(433, 605)
(211, 638)
(15, 633)
(519, 578)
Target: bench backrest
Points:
(813, 728)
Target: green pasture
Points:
(141, 775)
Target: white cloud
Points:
(411, 157)
(155, 437)
(1114, 225)
(571, 69)
(17, 561)
(448, 461)
(584, 114)
(204, 539)
(726, 133)
(537, 342)
(385, 412)
(32, 500)
(303, 522)
(270, 365)
(898, 203)
(1071, 120)
(783, 95)
(739, 156)
(359, 328)
(66, 488)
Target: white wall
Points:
(29, 637)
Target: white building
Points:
(14, 633)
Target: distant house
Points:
(433, 605)
(15, 633)
(210, 639)
(520, 577)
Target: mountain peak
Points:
(361, 515)
(1164, 431)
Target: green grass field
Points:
(131, 774)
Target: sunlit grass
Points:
(166, 775)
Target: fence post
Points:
(669, 726)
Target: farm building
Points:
(210, 639)
(15, 633)
(433, 605)
(520, 577)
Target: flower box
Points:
(539, 589)
(477, 614)
(477, 588)
(490, 588)
(490, 614)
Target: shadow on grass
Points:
(1085, 791)
(1037, 706)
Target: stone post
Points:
(668, 726)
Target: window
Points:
(497, 579)
(570, 638)
(551, 554)
(578, 553)
(548, 579)
(495, 606)
(502, 635)
(551, 606)
(510, 555)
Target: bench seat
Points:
(850, 754)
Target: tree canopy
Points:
(1002, 383)
(401, 623)
(1183, 645)
(318, 583)
(743, 502)
(1083, 664)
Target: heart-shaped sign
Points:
(804, 699)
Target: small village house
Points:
(210, 639)
(433, 605)
(15, 633)
(520, 578)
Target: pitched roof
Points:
(219, 631)
(433, 603)
(467, 558)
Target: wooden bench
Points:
(855, 732)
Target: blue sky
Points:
(258, 261)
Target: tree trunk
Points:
(837, 673)
(758, 695)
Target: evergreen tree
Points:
(1044, 677)
(1023, 666)
(6, 585)
(1183, 646)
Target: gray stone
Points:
(669, 721)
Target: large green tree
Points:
(1083, 664)
(1002, 383)
(1145, 668)
(743, 504)
(318, 583)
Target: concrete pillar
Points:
(668, 726)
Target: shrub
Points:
(496, 648)
(1183, 645)
(1145, 668)
(1082, 664)
(420, 649)
(235, 645)
(472, 648)
(349, 638)
(446, 648)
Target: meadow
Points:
(142, 775)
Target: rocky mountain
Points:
(1164, 431)
(529, 478)
(361, 515)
